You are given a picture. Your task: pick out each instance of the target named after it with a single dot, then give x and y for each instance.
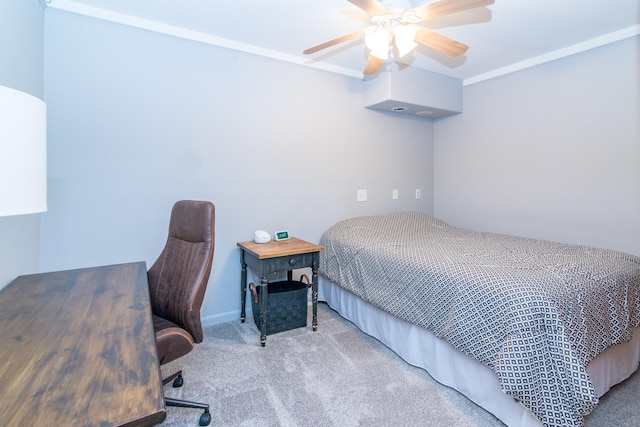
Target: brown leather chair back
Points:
(178, 279)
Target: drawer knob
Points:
(292, 261)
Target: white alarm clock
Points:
(281, 235)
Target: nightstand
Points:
(275, 257)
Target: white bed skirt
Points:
(421, 348)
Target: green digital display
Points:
(282, 235)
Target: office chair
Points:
(177, 283)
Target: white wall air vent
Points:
(414, 92)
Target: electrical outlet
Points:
(361, 196)
(394, 194)
(418, 193)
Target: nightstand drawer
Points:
(290, 262)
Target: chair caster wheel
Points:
(205, 419)
(178, 382)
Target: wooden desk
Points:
(78, 349)
(273, 257)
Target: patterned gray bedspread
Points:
(535, 312)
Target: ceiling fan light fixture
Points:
(397, 31)
(404, 36)
(378, 43)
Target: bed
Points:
(531, 330)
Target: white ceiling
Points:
(507, 35)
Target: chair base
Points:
(205, 418)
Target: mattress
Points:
(421, 348)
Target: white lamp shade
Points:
(23, 153)
(405, 36)
(378, 42)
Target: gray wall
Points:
(21, 58)
(138, 120)
(551, 152)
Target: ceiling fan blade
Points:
(439, 42)
(447, 7)
(372, 7)
(334, 42)
(373, 65)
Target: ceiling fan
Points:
(402, 29)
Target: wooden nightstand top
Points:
(274, 249)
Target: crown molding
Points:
(183, 33)
(557, 54)
(196, 36)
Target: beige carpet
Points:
(337, 376)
